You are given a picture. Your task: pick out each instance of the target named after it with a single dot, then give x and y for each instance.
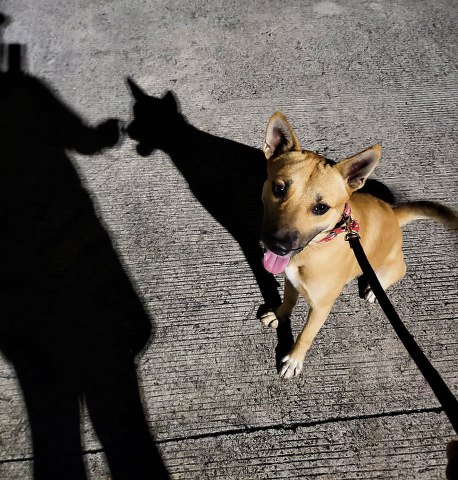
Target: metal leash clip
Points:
(353, 229)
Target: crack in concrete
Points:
(295, 425)
(249, 430)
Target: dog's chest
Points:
(309, 286)
(292, 274)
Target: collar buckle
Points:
(345, 224)
(353, 228)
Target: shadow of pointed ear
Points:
(171, 102)
(137, 92)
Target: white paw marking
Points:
(269, 319)
(370, 296)
(291, 367)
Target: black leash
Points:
(448, 402)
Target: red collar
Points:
(341, 225)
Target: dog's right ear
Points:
(137, 92)
(280, 137)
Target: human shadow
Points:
(225, 176)
(71, 323)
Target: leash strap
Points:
(448, 402)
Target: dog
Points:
(307, 201)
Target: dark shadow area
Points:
(225, 176)
(71, 323)
(285, 341)
(379, 190)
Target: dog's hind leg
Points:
(283, 312)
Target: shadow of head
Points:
(156, 120)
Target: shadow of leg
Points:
(116, 410)
(53, 409)
(452, 456)
(285, 341)
(362, 286)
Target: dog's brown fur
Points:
(320, 271)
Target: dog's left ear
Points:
(356, 169)
(280, 137)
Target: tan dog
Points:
(304, 198)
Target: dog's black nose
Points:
(281, 244)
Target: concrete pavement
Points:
(179, 289)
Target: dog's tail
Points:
(407, 212)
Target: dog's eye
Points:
(320, 209)
(279, 189)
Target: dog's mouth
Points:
(278, 255)
(275, 260)
(275, 263)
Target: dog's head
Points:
(155, 122)
(304, 194)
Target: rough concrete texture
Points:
(348, 74)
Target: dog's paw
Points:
(369, 295)
(290, 367)
(269, 319)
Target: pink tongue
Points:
(275, 263)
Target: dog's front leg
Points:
(283, 312)
(294, 361)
